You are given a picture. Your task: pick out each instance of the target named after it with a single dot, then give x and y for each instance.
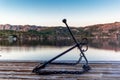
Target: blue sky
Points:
(51, 12)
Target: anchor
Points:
(82, 46)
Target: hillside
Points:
(103, 30)
(108, 30)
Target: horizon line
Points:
(57, 25)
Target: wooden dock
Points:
(23, 71)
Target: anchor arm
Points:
(65, 21)
(48, 62)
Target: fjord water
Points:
(33, 50)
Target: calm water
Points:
(99, 50)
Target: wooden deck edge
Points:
(37, 61)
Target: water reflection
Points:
(100, 43)
(58, 43)
(105, 43)
(47, 49)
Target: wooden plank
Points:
(23, 71)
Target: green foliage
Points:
(59, 32)
(5, 33)
(33, 31)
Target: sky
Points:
(78, 13)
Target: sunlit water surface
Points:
(98, 51)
